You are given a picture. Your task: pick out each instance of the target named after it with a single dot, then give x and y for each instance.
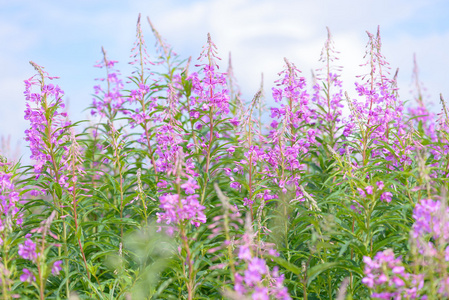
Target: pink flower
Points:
(361, 192)
(235, 185)
(260, 293)
(234, 121)
(368, 280)
(173, 213)
(244, 253)
(27, 276)
(386, 197)
(27, 250)
(56, 267)
(258, 265)
(257, 280)
(190, 186)
(380, 185)
(108, 100)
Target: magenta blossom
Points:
(386, 197)
(190, 186)
(177, 210)
(27, 250)
(37, 107)
(27, 276)
(56, 268)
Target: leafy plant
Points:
(178, 188)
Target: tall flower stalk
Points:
(211, 101)
(47, 134)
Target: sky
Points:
(66, 38)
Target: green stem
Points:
(5, 271)
(67, 267)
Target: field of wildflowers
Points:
(178, 188)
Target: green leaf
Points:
(287, 265)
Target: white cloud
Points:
(261, 33)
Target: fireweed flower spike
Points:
(294, 130)
(209, 106)
(48, 134)
(46, 122)
(168, 136)
(328, 94)
(163, 47)
(212, 95)
(257, 280)
(296, 114)
(419, 110)
(108, 100)
(139, 52)
(210, 100)
(253, 154)
(179, 210)
(381, 107)
(176, 208)
(143, 93)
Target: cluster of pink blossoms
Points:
(141, 116)
(140, 94)
(177, 208)
(380, 106)
(46, 122)
(335, 105)
(430, 233)
(380, 112)
(10, 213)
(109, 100)
(257, 280)
(430, 221)
(385, 196)
(49, 130)
(211, 91)
(387, 273)
(293, 131)
(296, 113)
(28, 251)
(168, 148)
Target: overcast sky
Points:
(66, 38)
